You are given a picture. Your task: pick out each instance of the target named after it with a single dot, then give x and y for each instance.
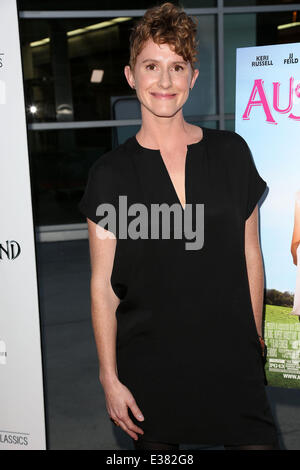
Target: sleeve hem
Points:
(259, 192)
(83, 210)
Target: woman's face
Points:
(162, 79)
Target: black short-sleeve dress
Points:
(187, 345)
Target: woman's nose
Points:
(165, 79)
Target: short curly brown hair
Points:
(165, 24)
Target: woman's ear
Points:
(129, 76)
(194, 78)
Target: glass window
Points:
(242, 3)
(74, 69)
(254, 29)
(80, 5)
(197, 3)
(104, 4)
(203, 99)
(230, 124)
(59, 162)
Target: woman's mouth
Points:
(165, 96)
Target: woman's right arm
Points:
(296, 231)
(104, 303)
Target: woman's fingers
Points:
(126, 429)
(130, 424)
(126, 418)
(118, 400)
(127, 424)
(132, 428)
(135, 410)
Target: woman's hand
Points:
(263, 347)
(262, 343)
(294, 247)
(118, 398)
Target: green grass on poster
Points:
(280, 315)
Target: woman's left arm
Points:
(296, 231)
(254, 267)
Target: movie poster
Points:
(22, 420)
(268, 117)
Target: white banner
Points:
(268, 117)
(22, 423)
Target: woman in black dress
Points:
(179, 336)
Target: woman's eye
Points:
(176, 66)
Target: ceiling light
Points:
(97, 76)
